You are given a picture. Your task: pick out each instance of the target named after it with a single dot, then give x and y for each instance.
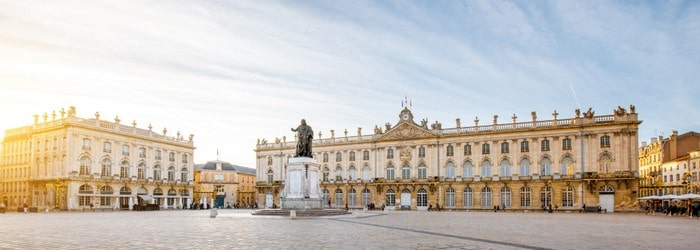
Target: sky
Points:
(233, 72)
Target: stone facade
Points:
(670, 165)
(221, 184)
(67, 162)
(563, 163)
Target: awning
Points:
(146, 197)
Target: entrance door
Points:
(220, 201)
(268, 200)
(607, 202)
(405, 200)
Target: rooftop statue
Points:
(305, 135)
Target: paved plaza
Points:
(238, 229)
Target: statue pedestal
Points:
(301, 187)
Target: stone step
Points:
(302, 213)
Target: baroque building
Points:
(67, 162)
(670, 165)
(223, 185)
(562, 163)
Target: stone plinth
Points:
(301, 186)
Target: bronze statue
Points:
(305, 136)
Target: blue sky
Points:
(231, 72)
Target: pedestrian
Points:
(430, 207)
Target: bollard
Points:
(213, 212)
(293, 214)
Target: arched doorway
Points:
(390, 199)
(422, 200)
(405, 199)
(606, 198)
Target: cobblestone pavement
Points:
(238, 229)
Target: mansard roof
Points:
(225, 166)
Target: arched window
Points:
(125, 190)
(339, 197)
(486, 168)
(524, 167)
(124, 170)
(567, 197)
(505, 197)
(158, 191)
(545, 166)
(486, 197)
(505, 167)
(525, 196)
(157, 172)
(450, 197)
(390, 172)
(270, 175)
(326, 173)
(468, 197)
(338, 173)
(468, 169)
(141, 171)
(422, 171)
(450, 170)
(405, 172)
(422, 198)
(390, 198)
(352, 197)
(171, 173)
(106, 200)
(546, 196)
(183, 174)
(84, 199)
(85, 165)
(567, 166)
(352, 173)
(106, 168)
(365, 197)
(326, 197)
(366, 173)
(604, 162)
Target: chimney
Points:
(673, 145)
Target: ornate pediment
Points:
(405, 130)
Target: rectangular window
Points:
(125, 150)
(524, 147)
(504, 148)
(566, 144)
(544, 147)
(107, 147)
(421, 152)
(605, 141)
(390, 154)
(184, 158)
(450, 150)
(87, 144)
(467, 149)
(338, 156)
(157, 155)
(365, 155)
(325, 157)
(142, 152)
(352, 156)
(485, 149)
(171, 156)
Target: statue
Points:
(305, 135)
